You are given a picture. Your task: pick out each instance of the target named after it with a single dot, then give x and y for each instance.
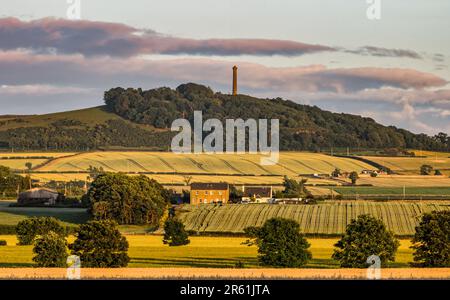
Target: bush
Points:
(50, 250)
(280, 243)
(431, 242)
(364, 237)
(373, 174)
(99, 244)
(174, 233)
(353, 177)
(3, 243)
(426, 170)
(29, 228)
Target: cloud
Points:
(41, 89)
(385, 52)
(407, 98)
(91, 38)
(27, 68)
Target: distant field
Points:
(35, 154)
(290, 163)
(377, 190)
(179, 179)
(404, 180)
(169, 168)
(19, 164)
(328, 218)
(411, 165)
(148, 251)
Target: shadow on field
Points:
(195, 262)
(68, 215)
(16, 265)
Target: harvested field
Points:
(208, 273)
(290, 163)
(411, 165)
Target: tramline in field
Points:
(328, 218)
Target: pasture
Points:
(13, 215)
(404, 180)
(326, 219)
(148, 251)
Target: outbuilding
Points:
(39, 196)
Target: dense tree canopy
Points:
(431, 243)
(174, 233)
(50, 251)
(280, 243)
(28, 229)
(127, 199)
(302, 127)
(365, 236)
(99, 244)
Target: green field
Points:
(210, 252)
(328, 218)
(373, 190)
(13, 215)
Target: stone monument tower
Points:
(235, 80)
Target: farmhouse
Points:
(39, 196)
(209, 192)
(257, 194)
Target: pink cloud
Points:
(26, 68)
(113, 39)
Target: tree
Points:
(99, 244)
(29, 166)
(365, 236)
(353, 177)
(336, 172)
(50, 250)
(127, 199)
(431, 242)
(235, 194)
(437, 172)
(280, 243)
(187, 179)
(426, 170)
(292, 188)
(11, 184)
(174, 233)
(28, 229)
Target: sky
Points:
(58, 55)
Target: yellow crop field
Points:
(411, 165)
(290, 163)
(35, 154)
(225, 273)
(404, 180)
(148, 251)
(179, 180)
(19, 164)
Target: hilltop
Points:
(134, 118)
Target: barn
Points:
(39, 196)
